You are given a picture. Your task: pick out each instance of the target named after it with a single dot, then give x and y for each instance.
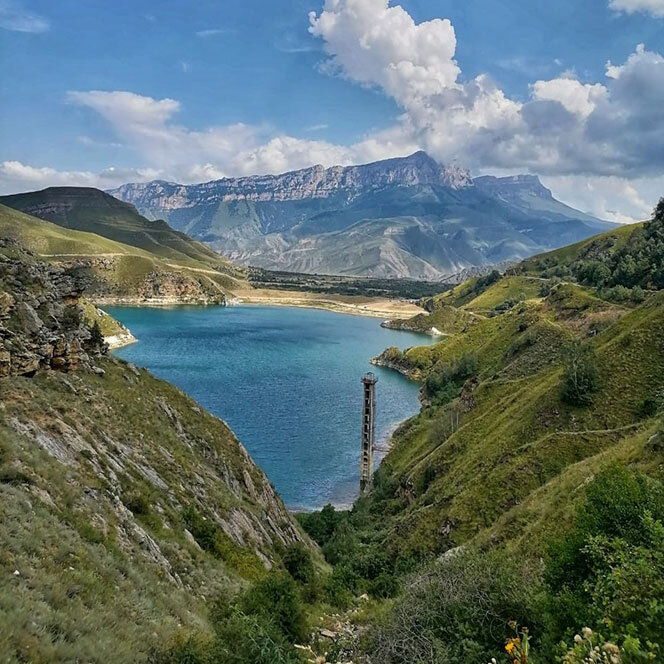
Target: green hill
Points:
(114, 270)
(541, 429)
(94, 211)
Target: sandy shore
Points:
(347, 304)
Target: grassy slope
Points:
(97, 580)
(92, 210)
(518, 448)
(127, 266)
(567, 255)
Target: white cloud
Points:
(13, 16)
(653, 7)
(212, 32)
(608, 197)
(149, 126)
(612, 127)
(375, 44)
(574, 96)
(16, 176)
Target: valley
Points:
(514, 401)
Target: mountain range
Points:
(404, 217)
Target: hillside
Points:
(93, 211)
(405, 217)
(126, 508)
(115, 271)
(541, 429)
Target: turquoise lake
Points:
(286, 380)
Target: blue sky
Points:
(268, 91)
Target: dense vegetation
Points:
(518, 517)
(523, 507)
(364, 286)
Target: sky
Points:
(101, 93)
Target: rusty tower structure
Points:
(369, 381)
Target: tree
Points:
(580, 376)
(96, 336)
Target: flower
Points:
(577, 638)
(509, 647)
(587, 632)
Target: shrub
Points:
(580, 377)
(649, 407)
(136, 502)
(298, 563)
(442, 384)
(184, 648)
(457, 611)
(275, 598)
(96, 336)
(320, 526)
(72, 317)
(244, 639)
(608, 573)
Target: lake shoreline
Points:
(303, 367)
(384, 308)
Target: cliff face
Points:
(405, 217)
(41, 326)
(314, 182)
(124, 506)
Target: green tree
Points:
(96, 337)
(298, 563)
(580, 376)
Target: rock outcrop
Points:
(41, 322)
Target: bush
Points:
(298, 563)
(443, 383)
(320, 526)
(72, 317)
(580, 377)
(458, 611)
(96, 337)
(276, 599)
(244, 639)
(608, 573)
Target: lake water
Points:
(286, 380)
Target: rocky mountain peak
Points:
(312, 182)
(513, 185)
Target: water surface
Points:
(286, 380)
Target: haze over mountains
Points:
(404, 217)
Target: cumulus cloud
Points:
(653, 7)
(149, 125)
(576, 97)
(16, 176)
(611, 128)
(14, 16)
(608, 197)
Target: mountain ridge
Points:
(404, 217)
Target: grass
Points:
(508, 288)
(93, 211)
(94, 526)
(108, 325)
(117, 270)
(509, 440)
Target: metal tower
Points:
(369, 381)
